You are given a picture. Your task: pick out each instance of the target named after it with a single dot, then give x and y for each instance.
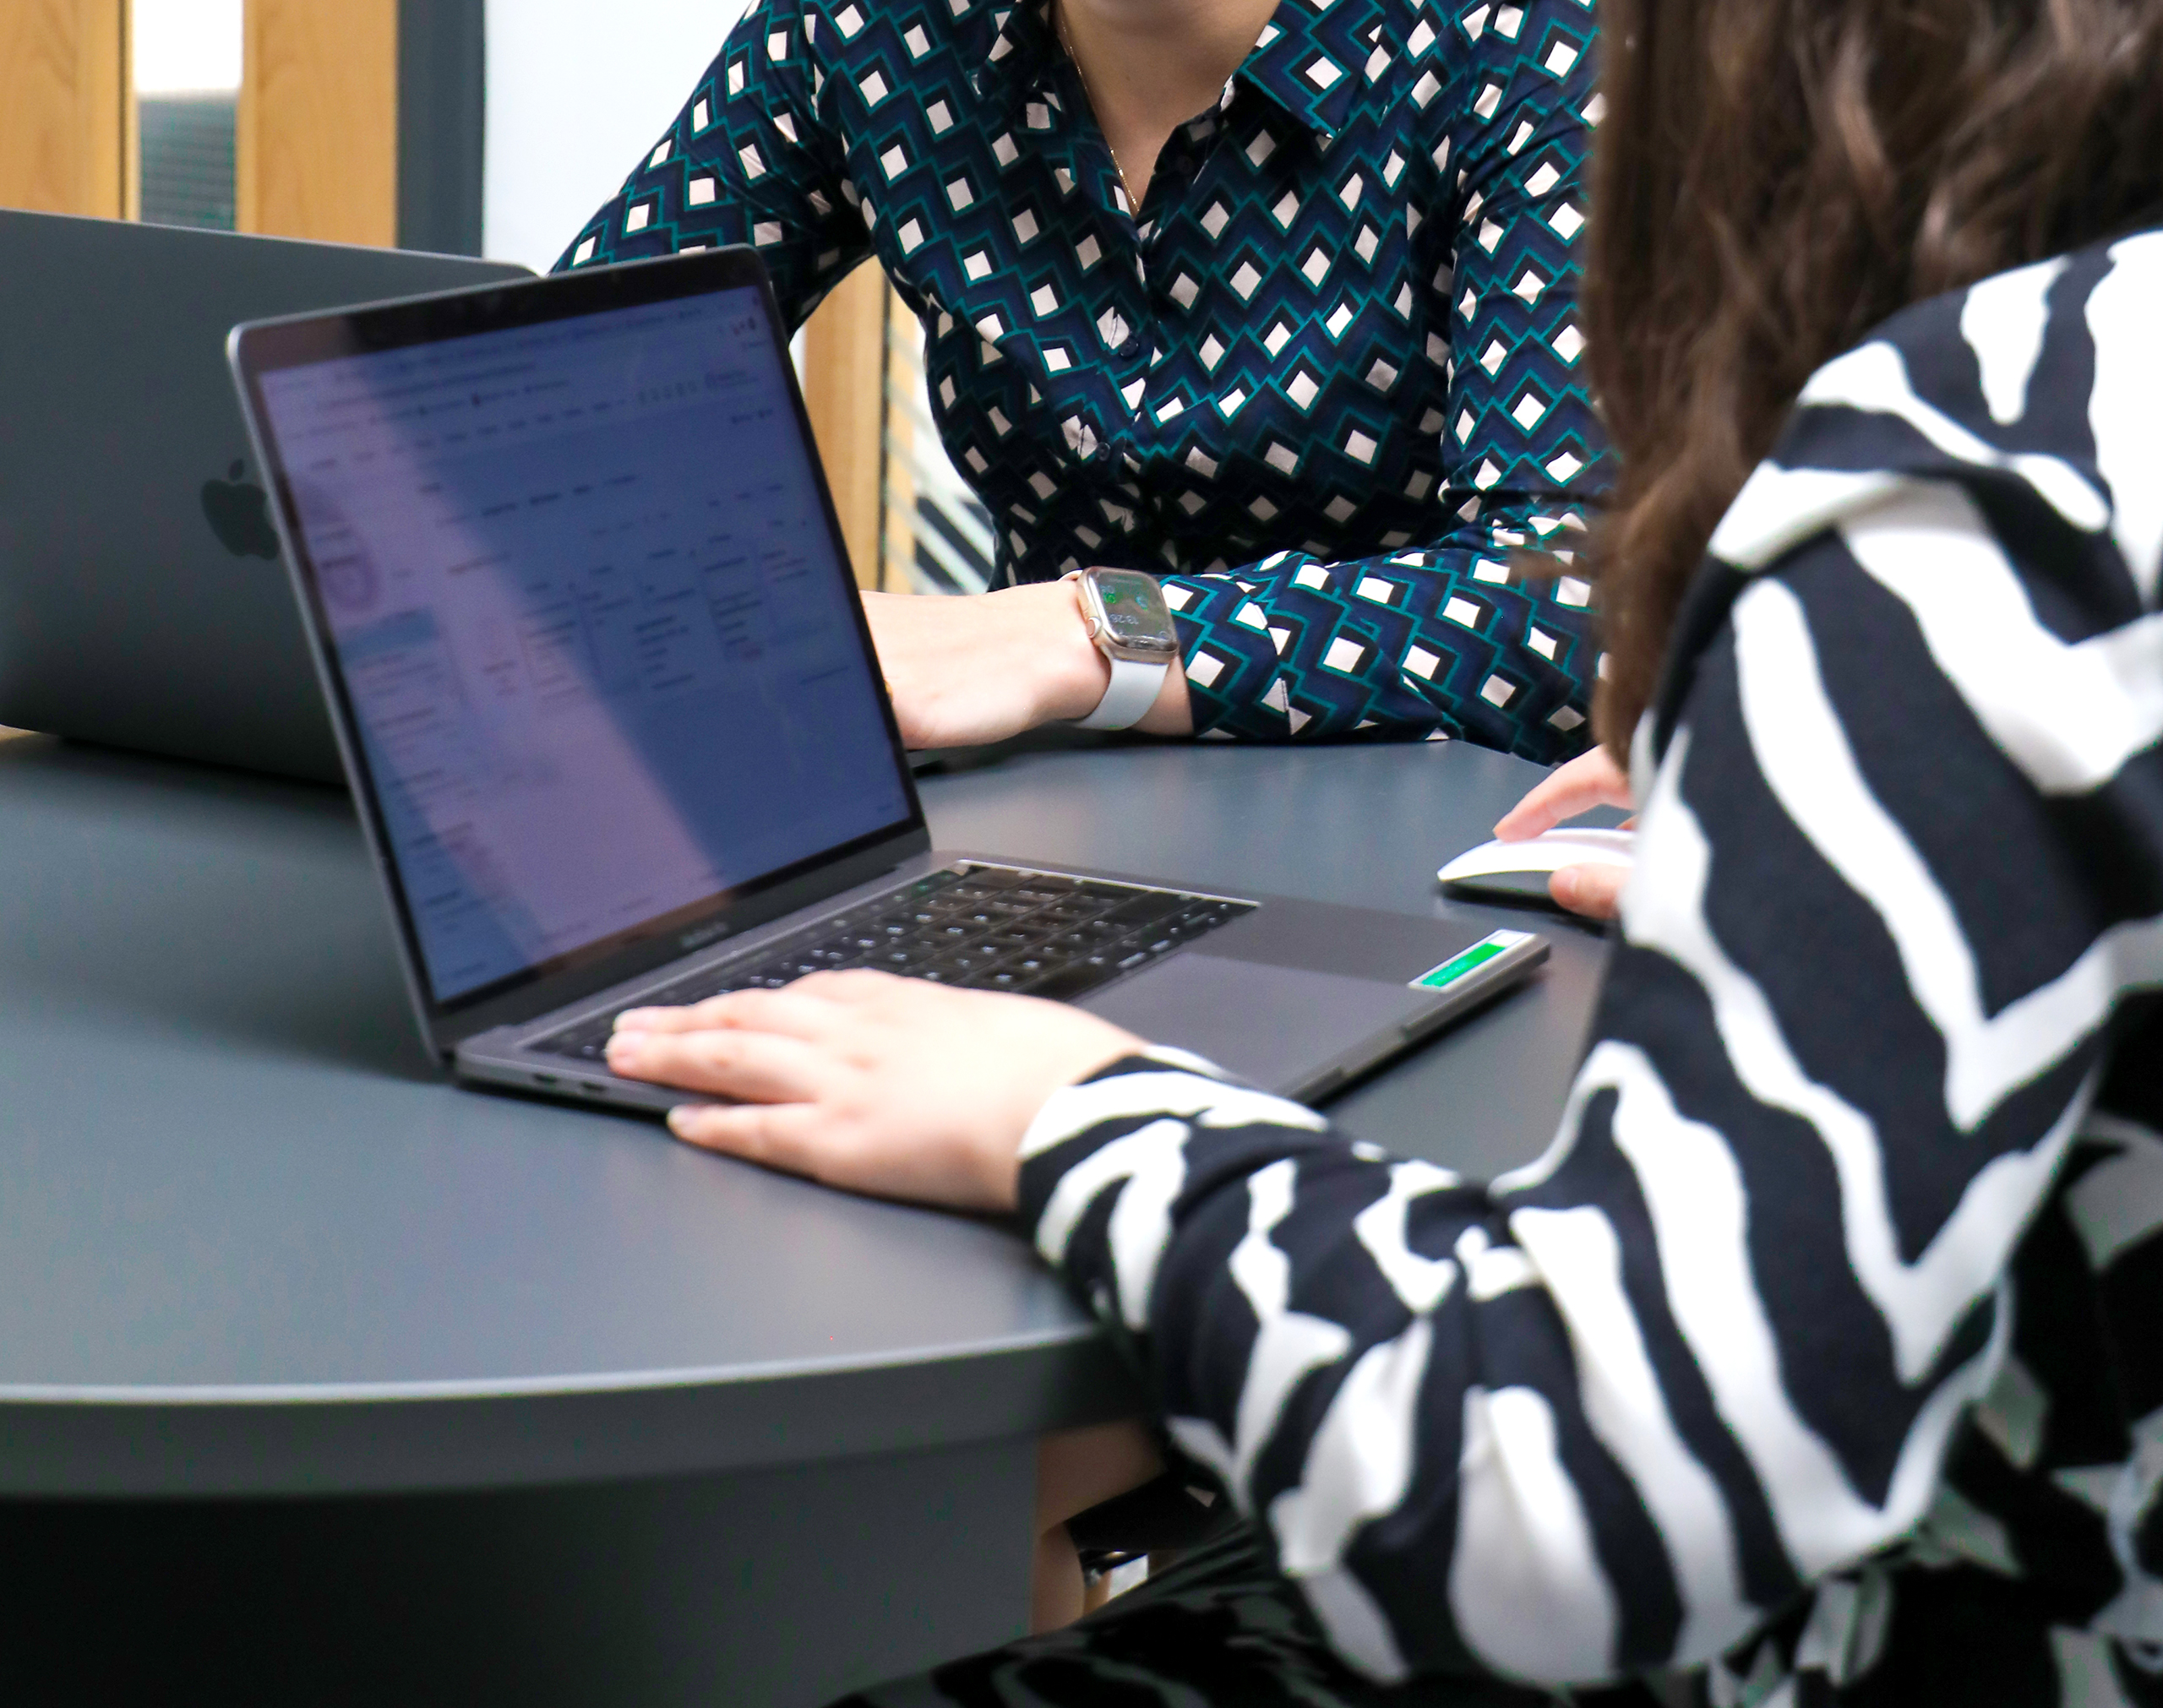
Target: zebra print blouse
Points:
(1821, 1356)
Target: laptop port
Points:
(592, 1089)
(545, 1080)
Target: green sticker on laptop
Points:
(1450, 971)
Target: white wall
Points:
(578, 91)
(186, 46)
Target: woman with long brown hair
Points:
(1821, 1360)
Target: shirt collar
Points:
(1299, 63)
(1022, 53)
(1296, 62)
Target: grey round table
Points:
(322, 1379)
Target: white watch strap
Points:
(1133, 688)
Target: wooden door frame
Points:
(844, 395)
(316, 147)
(65, 106)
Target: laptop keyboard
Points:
(980, 927)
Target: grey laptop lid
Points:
(585, 619)
(142, 603)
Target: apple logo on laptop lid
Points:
(239, 515)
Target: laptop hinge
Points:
(554, 991)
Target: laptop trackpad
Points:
(1273, 1025)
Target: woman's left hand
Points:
(864, 1080)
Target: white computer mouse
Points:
(1550, 852)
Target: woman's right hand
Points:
(1591, 780)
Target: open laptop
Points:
(141, 603)
(617, 735)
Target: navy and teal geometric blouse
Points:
(1325, 382)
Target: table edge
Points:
(390, 1438)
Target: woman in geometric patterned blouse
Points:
(1324, 380)
(1820, 1360)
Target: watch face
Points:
(1134, 614)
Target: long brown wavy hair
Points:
(1773, 177)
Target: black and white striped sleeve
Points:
(1901, 867)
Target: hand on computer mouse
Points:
(1591, 780)
(876, 1084)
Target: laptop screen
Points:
(601, 653)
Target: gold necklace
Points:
(1096, 106)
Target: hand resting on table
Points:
(964, 672)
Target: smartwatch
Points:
(1132, 626)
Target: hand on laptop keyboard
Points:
(886, 1086)
(979, 927)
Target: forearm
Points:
(1332, 1333)
(1450, 639)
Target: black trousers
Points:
(1220, 1628)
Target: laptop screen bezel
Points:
(266, 347)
